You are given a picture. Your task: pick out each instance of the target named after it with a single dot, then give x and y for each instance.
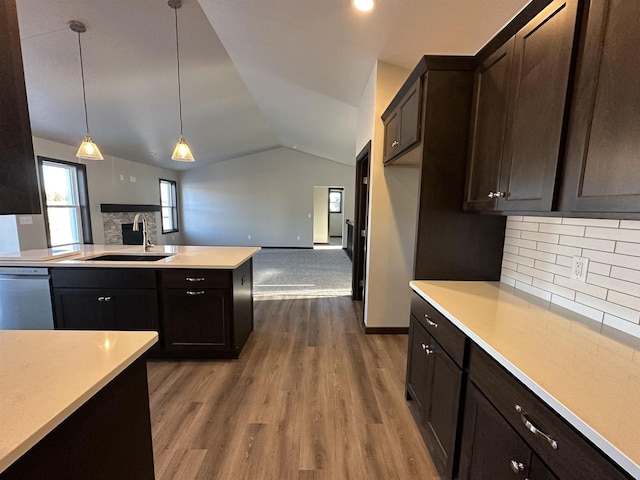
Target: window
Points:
(335, 201)
(169, 204)
(66, 201)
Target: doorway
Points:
(360, 223)
(328, 217)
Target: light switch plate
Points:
(26, 220)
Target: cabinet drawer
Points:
(446, 333)
(574, 457)
(195, 279)
(103, 278)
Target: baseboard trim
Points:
(386, 330)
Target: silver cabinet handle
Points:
(517, 467)
(101, 299)
(107, 299)
(195, 292)
(533, 429)
(430, 322)
(395, 143)
(495, 194)
(195, 279)
(427, 350)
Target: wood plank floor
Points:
(311, 397)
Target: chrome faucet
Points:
(146, 243)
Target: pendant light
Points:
(88, 150)
(181, 153)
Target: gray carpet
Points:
(306, 272)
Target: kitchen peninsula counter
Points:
(589, 379)
(48, 377)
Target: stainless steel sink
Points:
(123, 257)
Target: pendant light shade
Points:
(182, 152)
(88, 150)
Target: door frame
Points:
(359, 267)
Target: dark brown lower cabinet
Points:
(434, 383)
(196, 319)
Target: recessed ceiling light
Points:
(363, 5)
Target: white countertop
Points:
(46, 375)
(179, 257)
(589, 379)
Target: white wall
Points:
(320, 215)
(366, 112)
(104, 186)
(267, 195)
(538, 254)
(393, 207)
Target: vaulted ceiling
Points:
(256, 74)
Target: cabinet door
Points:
(80, 309)
(410, 118)
(196, 319)
(18, 181)
(133, 309)
(442, 419)
(539, 471)
(539, 80)
(489, 117)
(490, 449)
(391, 136)
(603, 142)
(417, 365)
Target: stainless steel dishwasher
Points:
(25, 299)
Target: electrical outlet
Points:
(248, 237)
(309, 215)
(579, 268)
(298, 237)
(26, 220)
(121, 177)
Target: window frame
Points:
(85, 233)
(174, 208)
(341, 192)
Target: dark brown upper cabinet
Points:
(402, 124)
(602, 161)
(18, 180)
(518, 115)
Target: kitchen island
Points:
(569, 393)
(199, 299)
(74, 405)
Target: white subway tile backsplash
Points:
(553, 268)
(625, 274)
(591, 243)
(631, 224)
(515, 218)
(547, 257)
(588, 312)
(518, 242)
(540, 237)
(535, 273)
(575, 230)
(617, 234)
(614, 284)
(560, 249)
(628, 248)
(608, 307)
(591, 222)
(538, 255)
(623, 299)
(553, 288)
(623, 325)
(538, 292)
(509, 257)
(532, 227)
(600, 268)
(521, 277)
(579, 286)
(511, 249)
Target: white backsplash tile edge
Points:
(608, 290)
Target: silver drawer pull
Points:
(107, 299)
(101, 299)
(517, 467)
(395, 143)
(430, 322)
(195, 279)
(195, 292)
(533, 429)
(426, 349)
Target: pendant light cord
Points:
(84, 93)
(175, 10)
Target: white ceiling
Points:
(256, 74)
